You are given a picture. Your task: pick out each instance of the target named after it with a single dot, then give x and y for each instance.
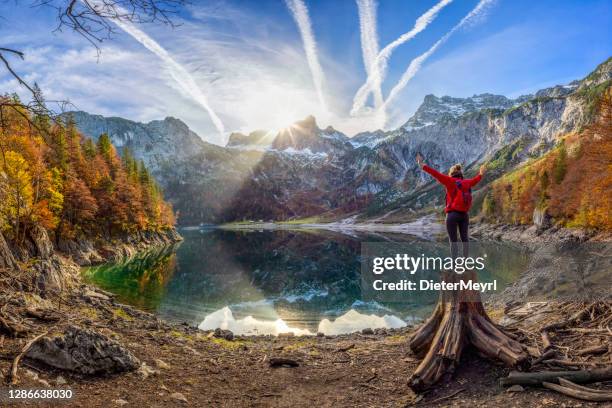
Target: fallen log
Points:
(575, 318)
(569, 363)
(536, 379)
(567, 383)
(579, 394)
(593, 350)
(44, 315)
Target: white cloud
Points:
(299, 11)
(378, 69)
(182, 77)
(476, 14)
(254, 71)
(369, 44)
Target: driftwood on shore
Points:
(536, 379)
(576, 391)
(13, 378)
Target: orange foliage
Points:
(69, 185)
(573, 182)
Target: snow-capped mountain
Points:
(304, 170)
(302, 137)
(435, 109)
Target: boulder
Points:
(90, 295)
(54, 275)
(49, 276)
(81, 251)
(223, 334)
(40, 238)
(83, 351)
(7, 260)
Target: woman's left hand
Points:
(419, 160)
(482, 170)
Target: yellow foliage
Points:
(573, 182)
(52, 176)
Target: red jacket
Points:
(458, 191)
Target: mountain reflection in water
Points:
(269, 282)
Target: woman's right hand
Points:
(419, 160)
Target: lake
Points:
(273, 281)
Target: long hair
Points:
(456, 171)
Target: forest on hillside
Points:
(53, 176)
(571, 183)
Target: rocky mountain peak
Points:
(257, 138)
(304, 136)
(329, 129)
(305, 170)
(150, 141)
(369, 139)
(434, 108)
(557, 91)
(601, 74)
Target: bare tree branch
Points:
(92, 19)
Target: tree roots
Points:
(459, 320)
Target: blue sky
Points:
(247, 60)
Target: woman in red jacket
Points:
(458, 201)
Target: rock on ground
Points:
(83, 351)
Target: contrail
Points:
(378, 69)
(177, 71)
(416, 63)
(302, 19)
(369, 43)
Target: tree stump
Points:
(458, 320)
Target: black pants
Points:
(456, 220)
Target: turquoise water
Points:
(298, 277)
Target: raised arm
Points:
(473, 181)
(442, 178)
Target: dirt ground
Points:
(357, 370)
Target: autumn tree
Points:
(18, 187)
(72, 186)
(560, 166)
(573, 181)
